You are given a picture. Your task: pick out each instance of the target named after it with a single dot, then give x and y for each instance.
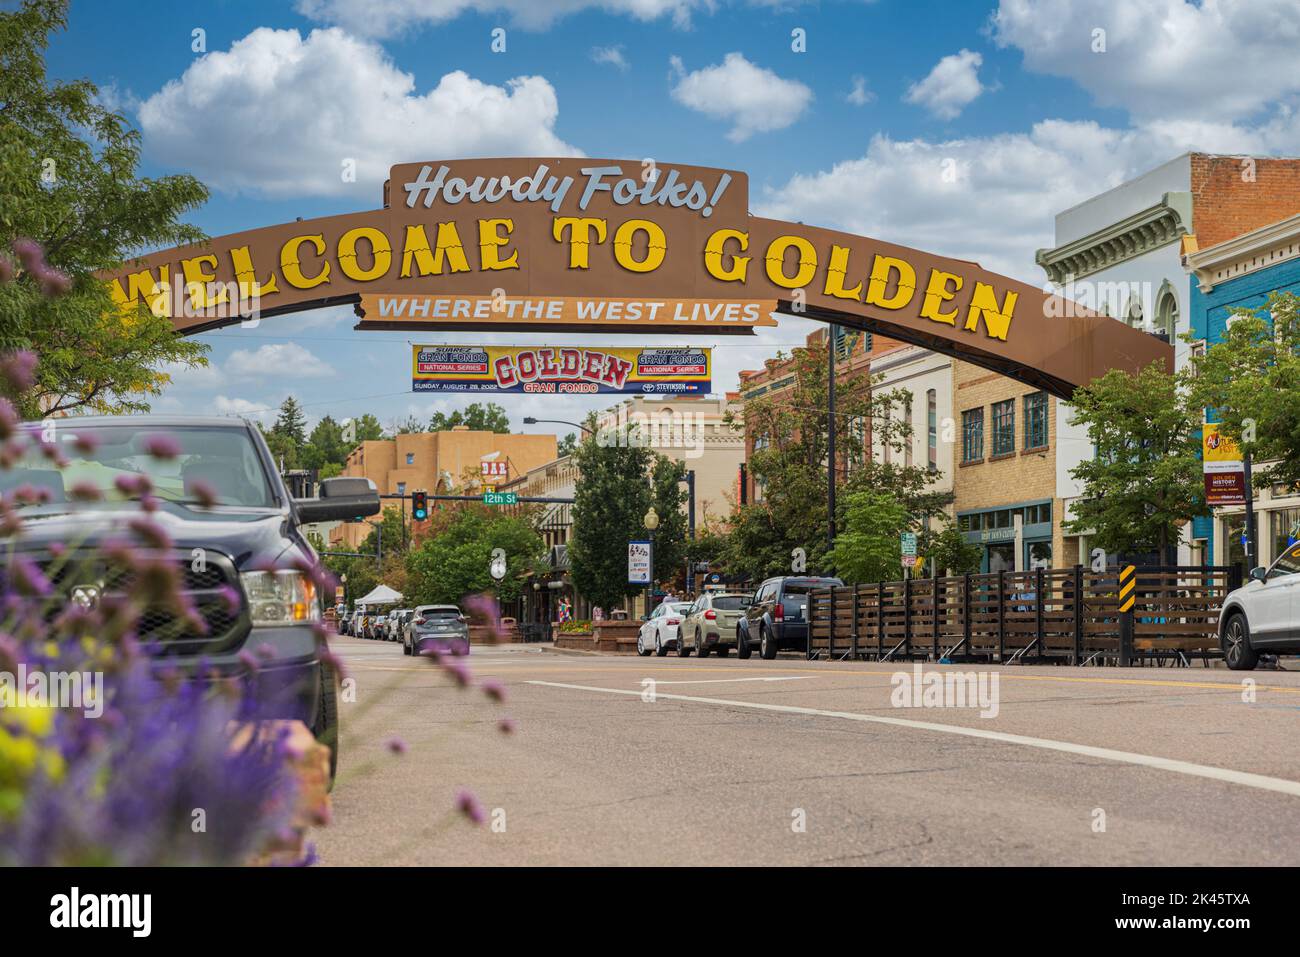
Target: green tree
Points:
(407, 426)
(457, 561)
(947, 550)
(867, 550)
(478, 417)
(611, 498)
(567, 445)
(325, 447)
(1251, 380)
(669, 501)
(68, 182)
(290, 422)
(366, 428)
(789, 465)
(1144, 482)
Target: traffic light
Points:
(419, 506)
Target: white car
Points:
(1263, 615)
(659, 631)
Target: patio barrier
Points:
(1062, 615)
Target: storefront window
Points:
(1002, 557)
(1235, 528)
(1284, 529)
(1040, 554)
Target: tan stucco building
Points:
(438, 462)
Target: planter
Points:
(616, 637)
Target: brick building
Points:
(1121, 252)
(437, 462)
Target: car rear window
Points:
(442, 613)
(730, 603)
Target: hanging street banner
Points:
(638, 562)
(562, 370)
(1225, 471)
(578, 244)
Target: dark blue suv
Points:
(777, 615)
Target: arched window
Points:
(1167, 312)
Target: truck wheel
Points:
(742, 645)
(1236, 644)
(327, 717)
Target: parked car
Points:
(660, 630)
(777, 615)
(393, 624)
(441, 625)
(251, 516)
(710, 624)
(1263, 615)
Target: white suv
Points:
(1264, 614)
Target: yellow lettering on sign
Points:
(836, 270)
(656, 245)
(714, 251)
(242, 260)
(580, 229)
(291, 268)
(775, 263)
(937, 293)
(878, 285)
(490, 242)
(143, 286)
(380, 249)
(997, 318)
(428, 261)
(196, 282)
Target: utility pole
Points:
(830, 435)
(690, 528)
(1252, 550)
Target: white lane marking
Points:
(1263, 782)
(723, 681)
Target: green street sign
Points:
(500, 498)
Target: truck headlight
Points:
(280, 597)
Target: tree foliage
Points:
(68, 181)
(457, 561)
(477, 416)
(1251, 380)
(1144, 482)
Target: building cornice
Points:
(1244, 254)
(1148, 229)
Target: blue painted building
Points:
(1232, 275)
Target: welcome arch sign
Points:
(586, 245)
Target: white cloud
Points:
(226, 405)
(986, 199)
(388, 17)
(282, 115)
(278, 362)
(198, 377)
(950, 87)
(611, 55)
(1217, 59)
(860, 95)
(752, 99)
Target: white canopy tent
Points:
(380, 595)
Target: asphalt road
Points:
(797, 762)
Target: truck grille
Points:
(226, 622)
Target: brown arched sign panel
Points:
(572, 245)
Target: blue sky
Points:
(1015, 95)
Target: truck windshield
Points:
(199, 461)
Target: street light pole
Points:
(651, 523)
(529, 420)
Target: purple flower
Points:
(458, 671)
(396, 745)
(27, 578)
(468, 804)
(18, 370)
(8, 419)
(506, 725)
(162, 446)
(494, 689)
(85, 443)
(84, 491)
(200, 490)
(151, 533)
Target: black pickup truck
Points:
(235, 533)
